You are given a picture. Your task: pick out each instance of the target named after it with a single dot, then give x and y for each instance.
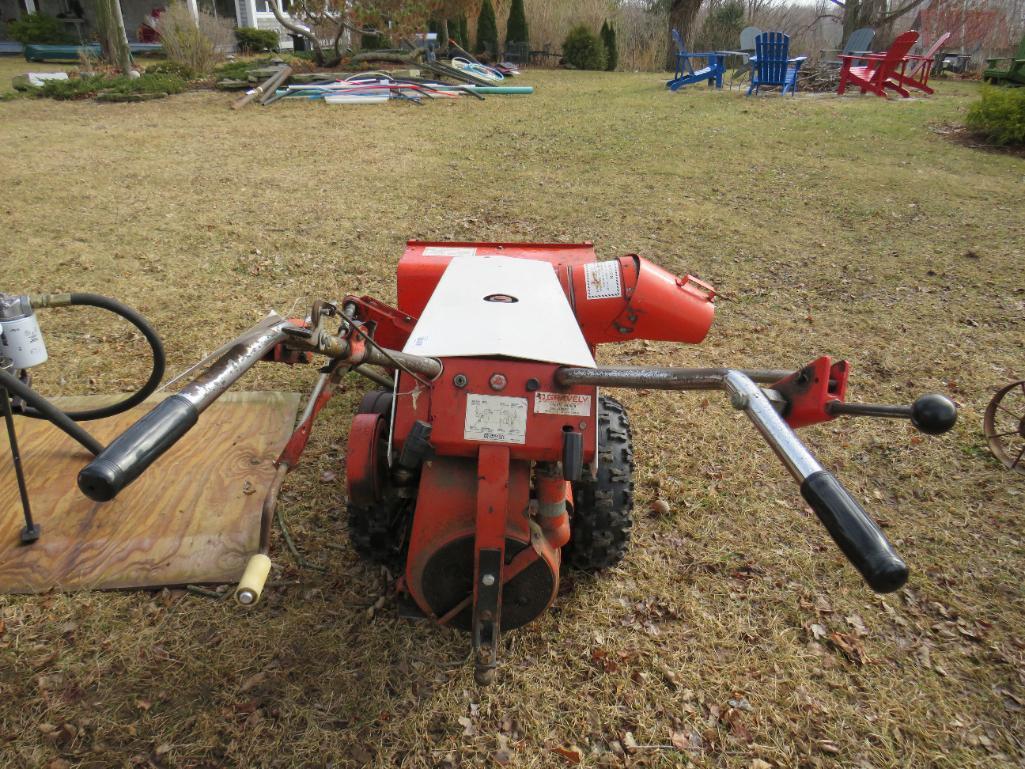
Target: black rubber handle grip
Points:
(137, 448)
(858, 536)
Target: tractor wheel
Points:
(378, 531)
(600, 526)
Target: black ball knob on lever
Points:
(933, 414)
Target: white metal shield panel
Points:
(499, 305)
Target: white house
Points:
(76, 16)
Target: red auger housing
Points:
(488, 456)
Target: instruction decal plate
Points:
(602, 280)
(495, 418)
(452, 251)
(567, 404)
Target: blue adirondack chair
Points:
(860, 41)
(685, 72)
(771, 66)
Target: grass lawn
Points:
(830, 226)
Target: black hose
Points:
(46, 410)
(157, 373)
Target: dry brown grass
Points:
(838, 226)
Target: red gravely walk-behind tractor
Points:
(487, 457)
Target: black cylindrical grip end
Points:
(857, 535)
(137, 448)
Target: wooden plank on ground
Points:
(193, 517)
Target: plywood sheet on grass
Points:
(193, 517)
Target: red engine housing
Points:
(489, 501)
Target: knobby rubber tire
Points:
(603, 505)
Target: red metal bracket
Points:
(489, 555)
(809, 389)
(300, 437)
(391, 327)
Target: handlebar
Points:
(857, 535)
(854, 532)
(137, 448)
(144, 442)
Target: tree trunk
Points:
(681, 18)
(393, 58)
(442, 35)
(876, 14)
(291, 26)
(113, 40)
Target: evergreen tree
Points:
(517, 31)
(455, 31)
(583, 49)
(608, 38)
(487, 29)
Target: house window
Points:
(263, 6)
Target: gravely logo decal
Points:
(567, 404)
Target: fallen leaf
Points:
(659, 508)
(601, 658)
(757, 763)
(328, 476)
(629, 743)
(468, 728)
(828, 746)
(252, 681)
(850, 647)
(572, 755)
(143, 705)
(855, 621)
(247, 707)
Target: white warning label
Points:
(602, 280)
(495, 418)
(567, 404)
(452, 251)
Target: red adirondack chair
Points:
(916, 69)
(875, 75)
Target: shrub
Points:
(198, 46)
(608, 38)
(374, 42)
(92, 86)
(722, 25)
(582, 49)
(487, 29)
(999, 115)
(252, 40)
(171, 68)
(38, 28)
(516, 30)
